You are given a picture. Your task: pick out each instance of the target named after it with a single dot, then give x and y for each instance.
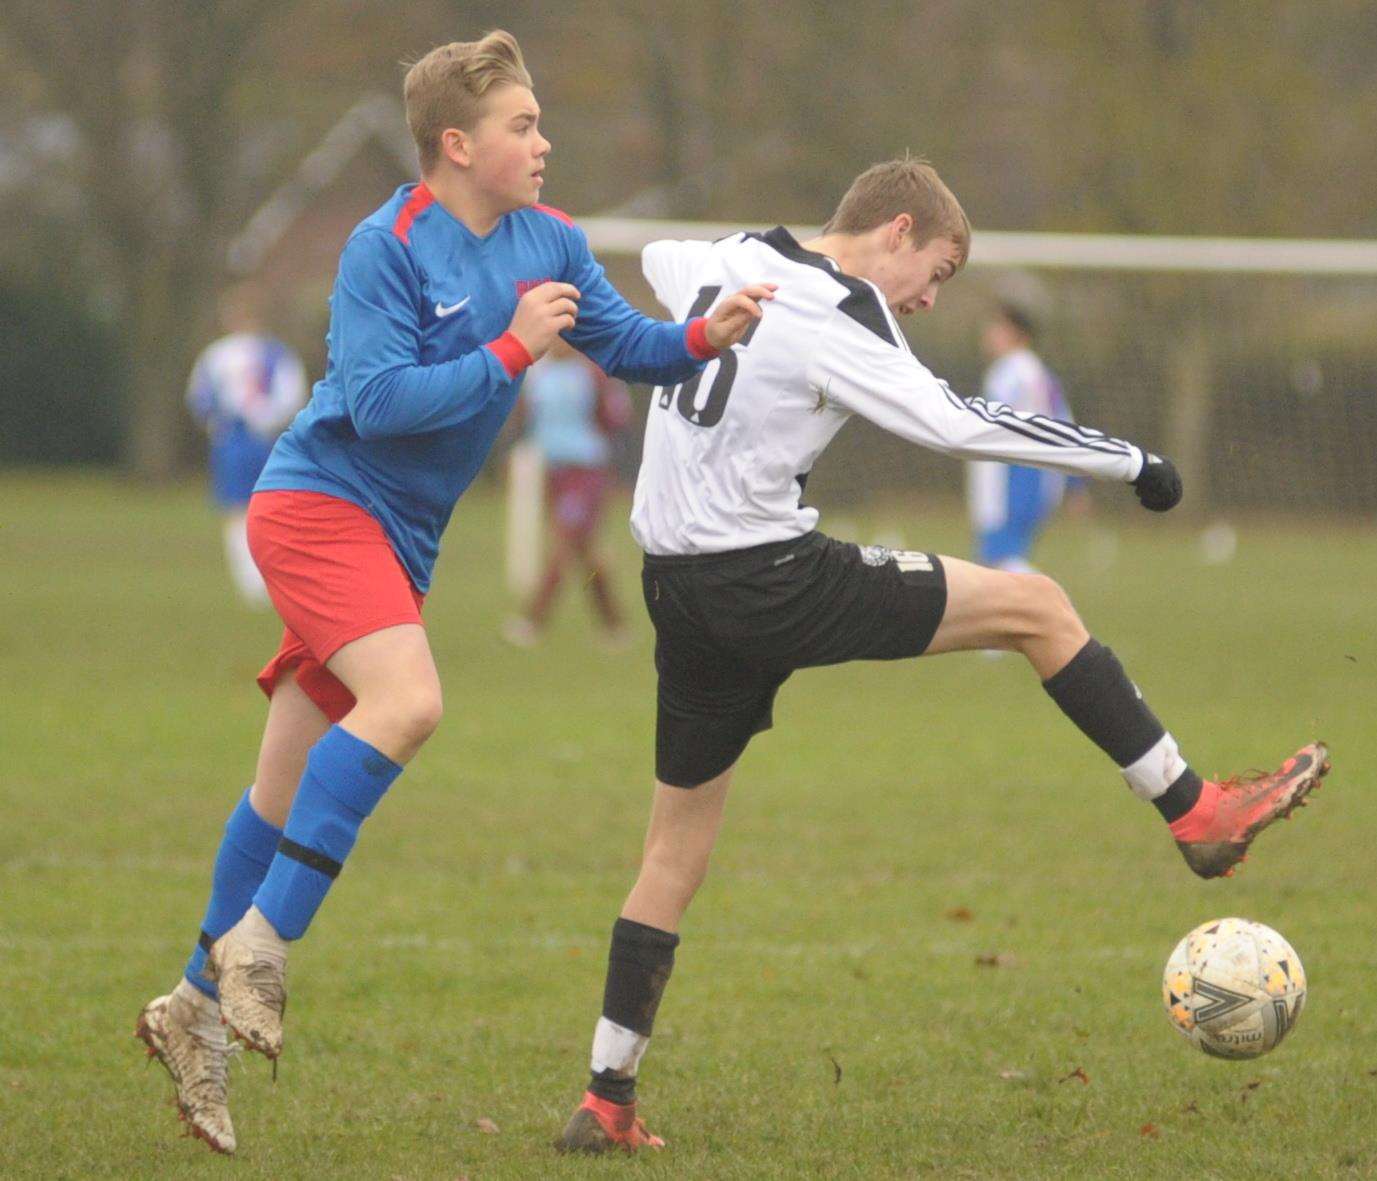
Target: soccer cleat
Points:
(602, 1126)
(253, 988)
(1215, 834)
(195, 1053)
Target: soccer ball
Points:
(1234, 988)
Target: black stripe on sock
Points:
(613, 1087)
(205, 942)
(309, 857)
(1180, 797)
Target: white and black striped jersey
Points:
(727, 452)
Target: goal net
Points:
(1251, 363)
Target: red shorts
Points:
(333, 577)
(576, 496)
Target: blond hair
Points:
(908, 185)
(446, 87)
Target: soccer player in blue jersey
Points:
(444, 296)
(244, 388)
(1010, 503)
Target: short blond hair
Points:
(907, 185)
(446, 87)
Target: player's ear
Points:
(456, 146)
(899, 232)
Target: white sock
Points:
(243, 571)
(205, 1010)
(261, 937)
(1157, 770)
(617, 1048)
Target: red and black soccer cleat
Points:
(602, 1126)
(1215, 834)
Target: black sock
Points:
(613, 1087)
(1180, 797)
(638, 968)
(1093, 690)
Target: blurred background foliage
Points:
(137, 140)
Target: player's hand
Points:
(1158, 485)
(732, 318)
(542, 314)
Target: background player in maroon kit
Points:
(572, 411)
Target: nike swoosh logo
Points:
(442, 311)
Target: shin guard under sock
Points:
(1093, 690)
(246, 851)
(638, 968)
(345, 778)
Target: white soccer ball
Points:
(1234, 988)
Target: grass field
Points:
(829, 1016)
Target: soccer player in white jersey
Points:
(1010, 503)
(743, 590)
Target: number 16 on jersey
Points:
(685, 395)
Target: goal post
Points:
(525, 517)
(1248, 361)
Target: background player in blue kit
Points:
(244, 388)
(443, 297)
(1010, 503)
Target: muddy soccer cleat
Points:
(1215, 834)
(186, 1036)
(602, 1126)
(249, 965)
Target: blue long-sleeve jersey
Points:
(418, 380)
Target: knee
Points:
(678, 871)
(413, 713)
(1042, 607)
(423, 713)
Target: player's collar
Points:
(785, 242)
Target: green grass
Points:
(827, 1018)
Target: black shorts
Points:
(730, 628)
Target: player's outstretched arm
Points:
(861, 371)
(625, 343)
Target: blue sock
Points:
(344, 780)
(245, 854)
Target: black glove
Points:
(1158, 485)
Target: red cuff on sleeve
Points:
(511, 352)
(696, 339)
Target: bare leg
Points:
(550, 581)
(599, 584)
(683, 830)
(392, 675)
(295, 724)
(345, 775)
(1026, 613)
(1030, 613)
